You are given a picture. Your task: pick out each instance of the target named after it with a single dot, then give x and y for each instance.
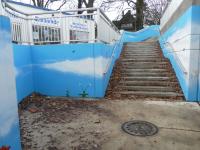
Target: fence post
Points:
(64, 30)
(98, 23)
(29, 31)
(9, 120)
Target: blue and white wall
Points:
(180, 43)
(142, 35)
(9, 122)
(65, 69)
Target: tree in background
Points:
(46, 3)
(154, 10)
(79, 3)
(145, 11)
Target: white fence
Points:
(53, 27)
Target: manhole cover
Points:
(139, 128)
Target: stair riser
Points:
(147, 74)
(143, 63)
(145, 70)
(142, 54)
(141, 49)
(154, 95)
(130, 59)
(145, 67)
(155, 57)
(147, 89)
(147, 79)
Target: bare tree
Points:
(46, 3)
(154, 10)
(145, 10)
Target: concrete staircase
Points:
(143, 72)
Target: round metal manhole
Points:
(140, 128)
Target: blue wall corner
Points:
(9, 120)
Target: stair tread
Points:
(150, 93)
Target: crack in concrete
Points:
(178, 129)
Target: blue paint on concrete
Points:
(24, 73)
(44, 69)
(196, 40)
(180, 23)
(142, 35)
(9, 120)
(187, 26)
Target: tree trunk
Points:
(139, 14)
(80, 3)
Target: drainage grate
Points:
(139, 128)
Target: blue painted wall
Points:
(65, 69)
(142, 35)
(24, 73)
(9, 120)
(184, 38)
(195, 45)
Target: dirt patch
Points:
(60, 123)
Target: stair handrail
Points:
(113, 54)
(176, 57)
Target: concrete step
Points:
(141, 45)
(145, 66)
(133, 54)
(141, 52)
(144, 74)
(143, 60)
(127, 78)
(143, 55)
(154, 70)
(136, 56)
(147, 83)
(151, 94)
(139, 49)
(148, 88)
(144, 63)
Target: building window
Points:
(46, 35)
(79, 36)
(16, 33)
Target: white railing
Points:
(52, 27)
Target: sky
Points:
(112, 13)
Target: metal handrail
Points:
(113, 54)
(184, 37)
(179, 61)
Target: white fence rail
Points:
(53, 27)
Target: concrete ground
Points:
(82, 125)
